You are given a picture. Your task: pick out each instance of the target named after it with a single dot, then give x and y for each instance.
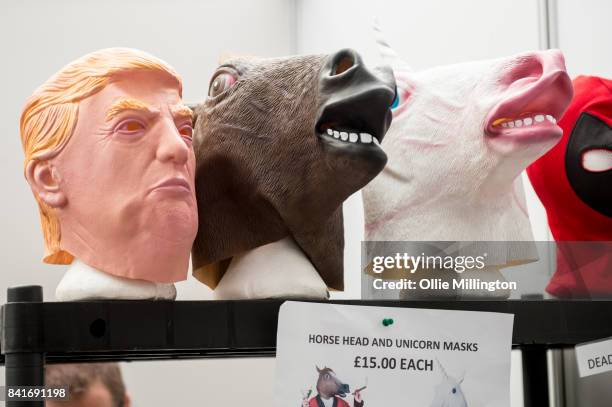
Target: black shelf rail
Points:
(34, 332)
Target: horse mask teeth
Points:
(267, 166)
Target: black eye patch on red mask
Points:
(594, 188)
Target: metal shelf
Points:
(136, 330)
(34, 332)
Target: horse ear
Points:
(318, 370)
(193, 107)
(462, 377)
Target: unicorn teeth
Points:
(524, 122)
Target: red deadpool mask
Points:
(574, 182)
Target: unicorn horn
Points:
(442, 368)
(388, 54)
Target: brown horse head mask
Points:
(280, 144)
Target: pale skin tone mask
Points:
(123, 186)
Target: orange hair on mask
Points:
(49, 117)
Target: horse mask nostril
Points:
(343, 64)
(354, 99)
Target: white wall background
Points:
(39, 37)
(584, 33)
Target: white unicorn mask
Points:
(460, 138)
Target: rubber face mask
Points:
(573, 182)
(460, 139)
(122, 185)
(280, 144)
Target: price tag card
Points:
(594, 357)
(332, 355)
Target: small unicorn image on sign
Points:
(448, 392)
(331, 392)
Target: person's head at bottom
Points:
(89, 384)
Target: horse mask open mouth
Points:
(280, 144)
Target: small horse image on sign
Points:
(331, 392)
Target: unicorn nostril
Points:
(529, 66)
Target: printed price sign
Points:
(594, 357)
(332, 355)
